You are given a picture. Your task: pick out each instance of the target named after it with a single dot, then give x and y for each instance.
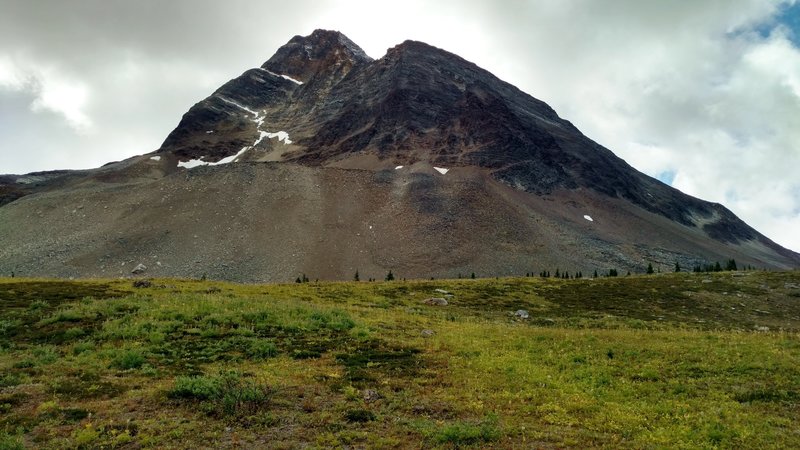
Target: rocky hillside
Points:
(324, 161)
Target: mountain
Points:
(324, 161)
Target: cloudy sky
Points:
(704, 95)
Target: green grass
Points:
(659, 361)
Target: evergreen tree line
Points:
(565, 275)
(730, 265)
(717, 267)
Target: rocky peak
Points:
(411, 46)
(322, 52)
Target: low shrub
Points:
(359, 415)
(46, 354)
(467, 433)
(128, 359)
(9, 442)
(9, 379)
(197, 387)
(82, 347)
(262, 349)
(224, 395)
(74, 333)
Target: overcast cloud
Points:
(703, 95)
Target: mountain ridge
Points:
(514, 168)
(471, 172)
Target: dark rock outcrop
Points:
(421, 103)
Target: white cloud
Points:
(51, 89)
(67, 98)
(10, 77)
(376, 27)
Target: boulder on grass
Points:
(435, 301)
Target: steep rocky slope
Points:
(324, 161)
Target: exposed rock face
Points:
(325, 161)
(420, 103)
(324, 55)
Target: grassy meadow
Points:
(657, 361)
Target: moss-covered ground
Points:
(658, 361)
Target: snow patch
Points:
(261, 136)
(258, 119)
(398, 167)
(192, 163)
(155, 158)
(441, 170)
(230, 159)
(238, 105)
(209, 131)
(281, 135)
(588, 217)
(297, 82)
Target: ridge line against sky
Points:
(702, 95)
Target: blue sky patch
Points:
(666, 177)
(788, 16)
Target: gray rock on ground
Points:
(435, 301)
(370, 395)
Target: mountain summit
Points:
(324, 161)
(322, 54)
